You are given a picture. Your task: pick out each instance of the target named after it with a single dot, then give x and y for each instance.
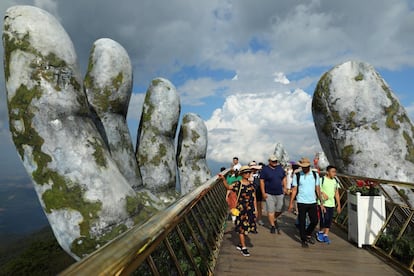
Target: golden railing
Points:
(395, 241)
(183, 239)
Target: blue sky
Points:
(248, 68)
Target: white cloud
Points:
(280, 77)
(250, 125)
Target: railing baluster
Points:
(404, 227)
(153, 267)
(204, 257)
(173, 256)
(201, 230)
(387, 221)
(187, 250)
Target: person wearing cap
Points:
(273, 187)
(247, 205)
(305, 185)
(259, 196)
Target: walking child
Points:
(329, 193)
(247, 205)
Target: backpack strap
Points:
(297, 179)
(314, 176)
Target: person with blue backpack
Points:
(305, 187)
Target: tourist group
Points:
(313, 198)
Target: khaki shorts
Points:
(274, 203)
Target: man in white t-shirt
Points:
(236, 164)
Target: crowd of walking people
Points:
(313, 198)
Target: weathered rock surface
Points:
(191, 153)
(362, 127)
(108, 86)
(281, 153)
(155, 139)
(85, 197)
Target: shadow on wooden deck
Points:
(273, 254)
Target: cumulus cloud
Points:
(247, 39)
(250, 125)
(281, 78)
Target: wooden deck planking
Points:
(273, 254)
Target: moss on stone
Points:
(162, 151)
(186, 120)
(117, 81)
(67, 195)
(98, 154)
(194, 136)
(410, 147)
(391, 110)
(12, 44)
(359, 77)
(347, 152)
(148, 109)
(321, 92)
(374, 126)
(19, 109)
(155, 82)
(350, 120)
(140, 207)
(88, 80)
(195, 167)
(55, 61)
(197, 181)
(86, 245)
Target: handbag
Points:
(234, 211)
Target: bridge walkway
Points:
(273, 254)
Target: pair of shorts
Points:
(326, 219)
(274, 203)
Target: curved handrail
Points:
(205, 207)
(134, 246)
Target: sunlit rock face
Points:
(85, 197)
(156, 133)
(191, 153)
(281, 154)
(361, 125)
(108, 86)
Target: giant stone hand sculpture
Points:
(73, 138)
(362, 127)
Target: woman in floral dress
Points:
(246, 220)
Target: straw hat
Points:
(304, 162)
(245, 169)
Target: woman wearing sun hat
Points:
(247, 205)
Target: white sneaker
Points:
(260, 222)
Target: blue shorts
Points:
(325, 220)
